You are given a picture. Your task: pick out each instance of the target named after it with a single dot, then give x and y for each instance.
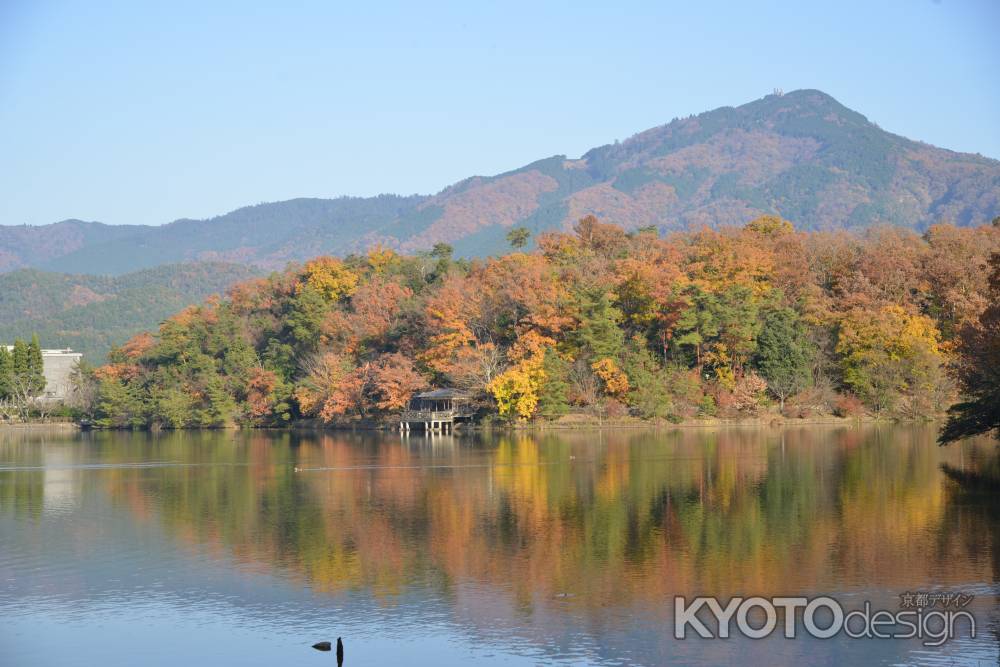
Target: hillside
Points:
(729, 323)
(802, 155)
(92, 313)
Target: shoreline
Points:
(573, 423)
(589, 423)
(40, 426)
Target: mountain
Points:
(802, 155)
(265, 234)
(27, 245)
(92, 313)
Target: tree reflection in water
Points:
(554, 526)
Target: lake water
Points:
(209, 548)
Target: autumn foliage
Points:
(595, 319)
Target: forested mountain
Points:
(265, 234)
(722, 323)
(37, 246)
(802, 155)
(92, 313)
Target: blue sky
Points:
(127, 112)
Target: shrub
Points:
(797, 410)
(749, 393)
(818, 399)
(685, 391)
(614, 408)
(848, 405)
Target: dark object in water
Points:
(323, 646)
(340, 652)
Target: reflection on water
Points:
(246, 548)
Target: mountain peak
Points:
(803, 101)
(812, 96)
(802, 155)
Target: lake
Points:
(519, 549)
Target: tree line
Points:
(706, 323)
(22, 378)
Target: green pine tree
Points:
(443, 253)
(784, 355)
(36, 367)
(518, 237)
(696, 326)
(20, 363)
(119, 406)
(599, 336)
(6, 373)
(724, 324)
(648, 394)
(553, 401)
(172, 407)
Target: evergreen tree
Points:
(720, 328)
(36, 367)
(599, 336)
(443, 253)
(518, 237)
(647, 394)
(739, 326)
(784, 355)
(304, 321)
(21, 365)
(173, 407)
(553, 398)
(696, 326)
(119, 406)
(6, 373)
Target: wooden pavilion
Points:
(437, 410)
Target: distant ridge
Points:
(93, 313)
(802, 155)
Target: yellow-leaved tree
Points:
(516, 389)
(893, 360)
(614, 379)
(329, 277)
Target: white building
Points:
(58, 367)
